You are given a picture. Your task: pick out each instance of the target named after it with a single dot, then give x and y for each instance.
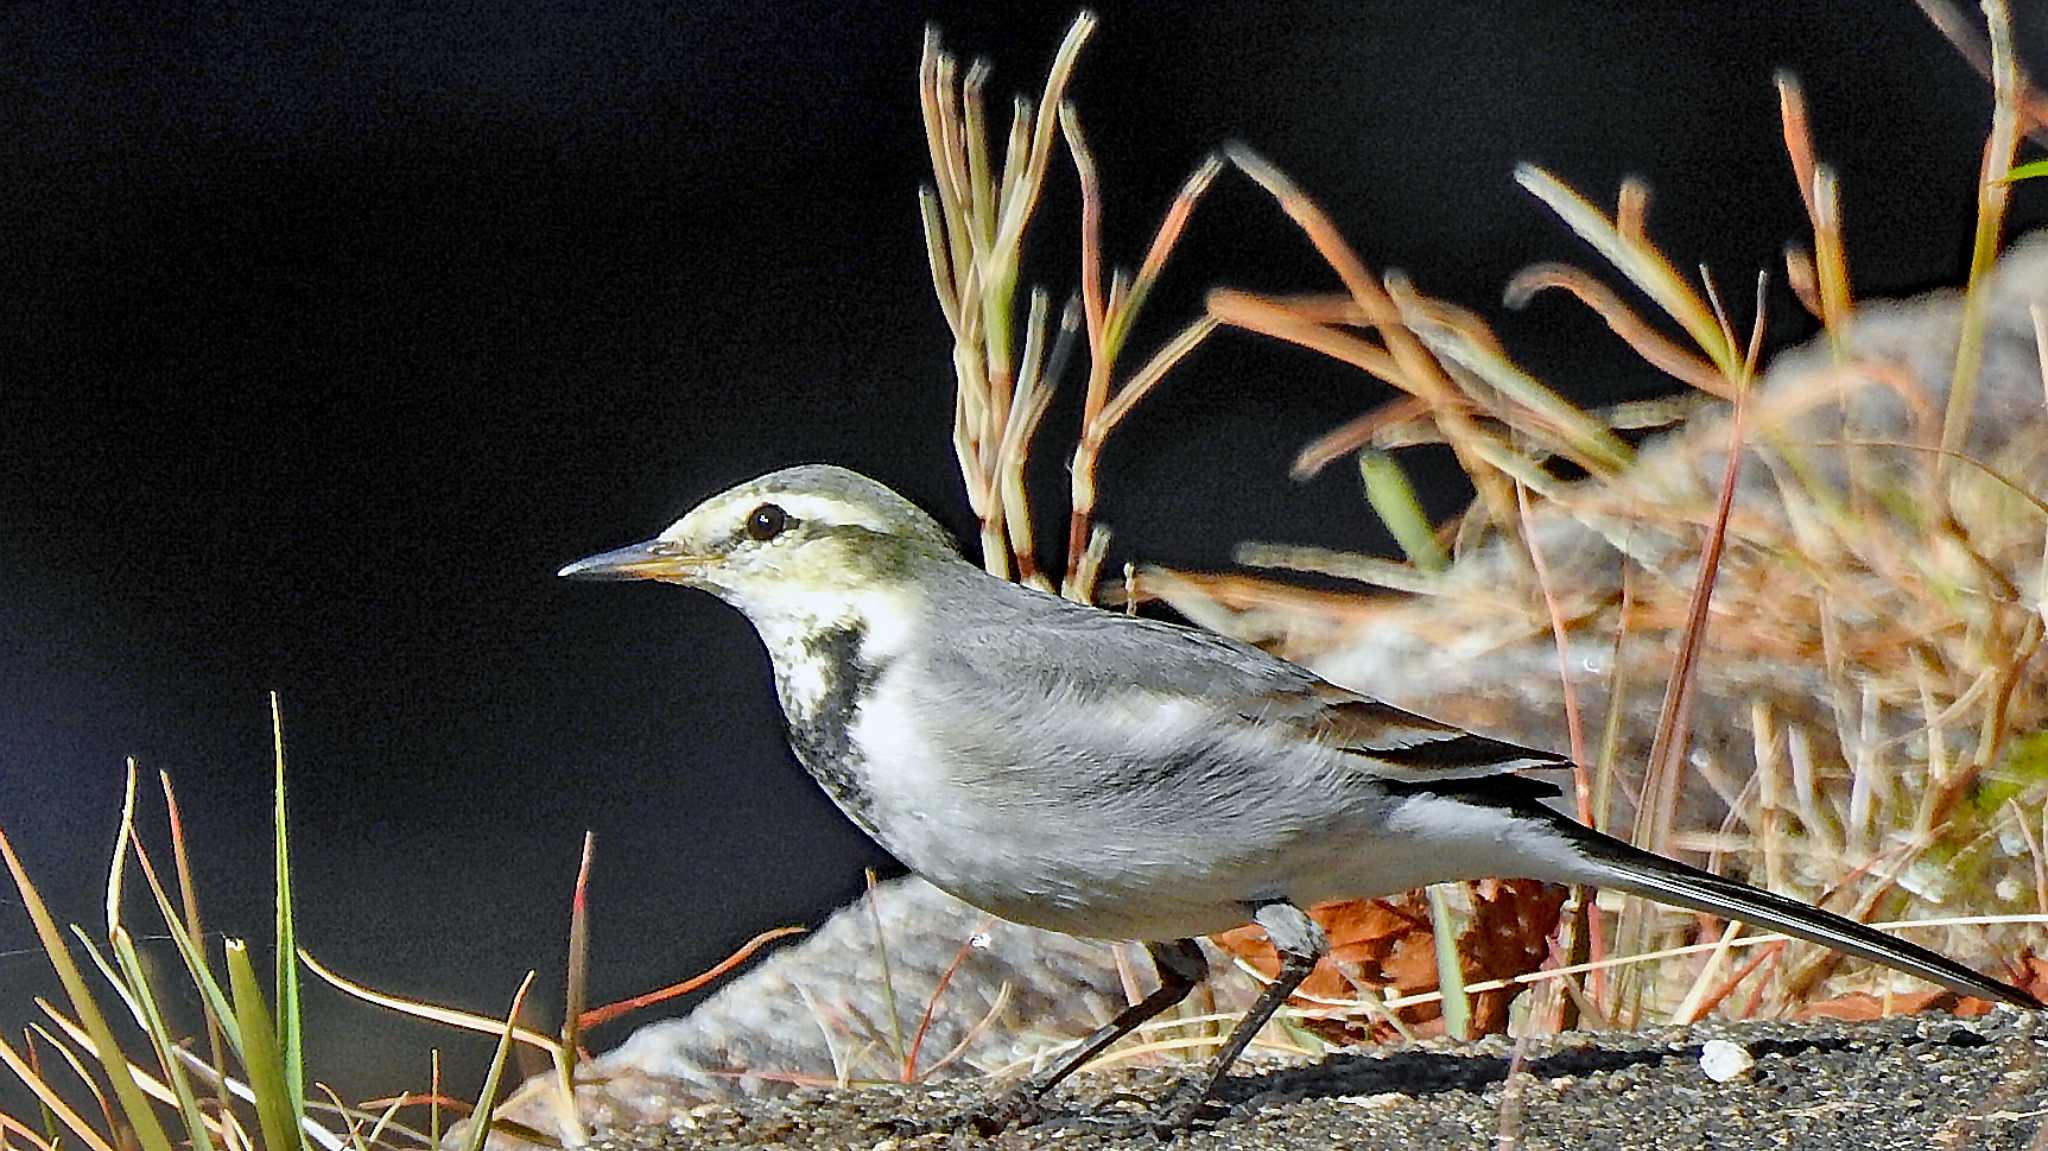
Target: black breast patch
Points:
(820, 736)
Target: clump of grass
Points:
(975, 219)
(249, 1089)
(150, 1089)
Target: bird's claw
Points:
(1020, 1108)
(1162, 1121)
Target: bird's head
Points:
(797, 533)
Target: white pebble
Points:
(1723, 1061)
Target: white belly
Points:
(1017, 845)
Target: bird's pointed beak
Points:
(654, 559)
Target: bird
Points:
(1109, 775)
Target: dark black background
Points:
(328, 333)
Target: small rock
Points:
(1723, 1061)
(1377, 1102)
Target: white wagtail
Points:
(1106, 775)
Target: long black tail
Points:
(1615, 864)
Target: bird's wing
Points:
(1087, 655)
(1407, 754)
(1406, 747)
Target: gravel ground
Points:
(1920, 1081)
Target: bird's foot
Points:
(1023, 1107)
(1170, 1116)
(1026, 1107)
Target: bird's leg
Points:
(1300, 942)
(1181, 965)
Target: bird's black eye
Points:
(766, 522)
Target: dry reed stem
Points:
(1418, 373)
(974, 222)
(1581, 922)
(1109, 324)
(1992, 195)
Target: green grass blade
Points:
(108, 972)
(275, 1114)
(162, 1040)
(135, 1106)
(188, 893)
(2032, 169)
(1393, 498)
(210, 990)
(480, 1119)
(291, 1051)
(1446, 925)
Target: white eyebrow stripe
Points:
(825, 509)
(800, 505)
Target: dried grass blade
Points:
(1088, 570)
(931, 1003)
(575, 997)
(1798, 134)
(1170, 230)
(1092, 304)
(35, 1139)
(1343, 565)
(194, 926)
(1274, 318)
(1355, 433)
(49, 1098)
(980, 187)
(124, 832)
(1570, 431)
(135, 1107)
(1366, 289)
(935, 256)
(1645, 341)
(597, 1016)
(432, 1013)
(934, 74)
(1034, 396)
(1640, 262)
(1656, 813)
(1023, 199)
(1146, 378)
(70, 1059)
